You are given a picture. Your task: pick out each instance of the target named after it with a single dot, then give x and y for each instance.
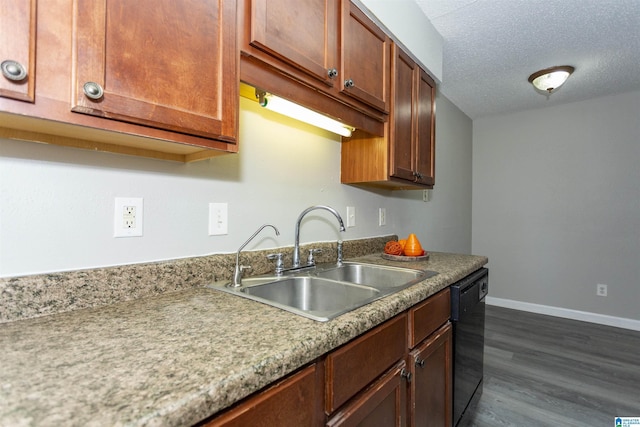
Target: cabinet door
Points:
(295, 401)
(302, 34)
(383, 404)
(403, 116)
(366, 54)
(431, 389)
(425, 129)
(169, 64)
(412, 121)
(18, 49)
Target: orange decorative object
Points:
(402, 242)
(413, 247)
(393, 248)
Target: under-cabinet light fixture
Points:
(303, 114)
(550, 79)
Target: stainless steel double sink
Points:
(328, 290)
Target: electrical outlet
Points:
(351, 216)
(218, 219)
(425, 195)
(127, 217)
(601, 290)
(382, 217)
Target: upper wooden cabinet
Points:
(365, 59)
(166, 64)
(404, 158)
(148, 78)
(412, 122)
(18, 49)
(303, 35)
(324, 54)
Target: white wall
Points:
(556, 204)
(408, 23)
(56, 203)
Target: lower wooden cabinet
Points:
(430, 395)
(397, 374)
(294, 401)
(383, 404)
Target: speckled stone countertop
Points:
(177, 358)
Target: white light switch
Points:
(351, 216)
(218, 219)
(382, 217)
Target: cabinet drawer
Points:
(350, 368)
(383, 403)
(428, 316)
(293, 401)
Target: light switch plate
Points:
(382, 217)
(351, 216)
(218, 219)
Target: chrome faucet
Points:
(296, 248)
(237, 275)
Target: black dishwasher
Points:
(467, 316)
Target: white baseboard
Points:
(585, 316)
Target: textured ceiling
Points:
(492, 46)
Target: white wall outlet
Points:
(351, 216)
(382, 217)
(218, 219)
(127, 217)
(425, 195)
(601, 290)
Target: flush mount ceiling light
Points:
(550, 79)
(298, 112)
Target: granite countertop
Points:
(177, 358)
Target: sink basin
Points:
(313, 297)
(328, 290)
(376, 276)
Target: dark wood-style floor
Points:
(548, 371)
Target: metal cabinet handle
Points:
(406, 375)
(419, 362)
(332, 73)
(418, 175)
(13, 70)
(93, 90)
(349, 84)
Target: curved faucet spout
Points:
(237, 275)
(296, 248)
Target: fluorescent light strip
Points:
(303, 114)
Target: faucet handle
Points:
(310, 260)
(279, 263)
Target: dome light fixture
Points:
(550, 79)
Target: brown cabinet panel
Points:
(425, 132)
(18, 49)
(356, 364)
(366, 53)
(166, 64)
(403, 158)
(430, 396)
(428, 316)
(383, 404)
(403, 149)
(295, 401)
(304, 36)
